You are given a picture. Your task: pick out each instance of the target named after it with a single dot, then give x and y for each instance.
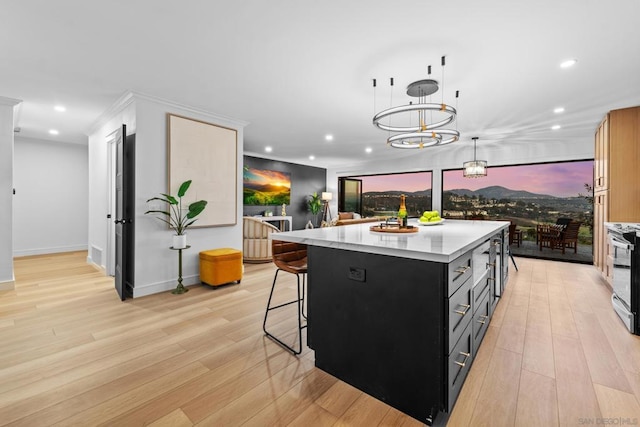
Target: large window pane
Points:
(528, 195)
(381, 193)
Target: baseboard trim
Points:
(102, 268)
(9, 285)
(46, 251)
(169, 285)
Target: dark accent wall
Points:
(305, 180)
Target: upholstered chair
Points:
(256, 247)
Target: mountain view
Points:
(266, 187)
(528, 195)
(524, 207)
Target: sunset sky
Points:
(263, 176)
(416, 181)
(557, 179)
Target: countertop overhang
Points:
(439, 243)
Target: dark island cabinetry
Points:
(402, 330)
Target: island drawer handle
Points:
(462, 270)
(466, 356)
(466, 308)
(484, 320)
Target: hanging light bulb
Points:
(474, 168)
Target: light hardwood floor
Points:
(73, 354)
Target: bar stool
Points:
(290, 258)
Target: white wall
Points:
(51, 200)
(122, 112)
(6, 192)
(156, 266)
(437, 159)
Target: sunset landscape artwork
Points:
(264, 187)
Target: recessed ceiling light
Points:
(328, 137)
(558, 110)
(555, 127)
(568, 63)
(312, 157)
(268, 149)
(368, 149)
(53, 132)
(60, 108)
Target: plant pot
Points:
(179, 241)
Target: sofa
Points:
(256, 246)
(347, 218)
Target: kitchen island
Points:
(400, 316)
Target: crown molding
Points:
(11, 102)
(194, 110)
(119, 105)
(130, 96)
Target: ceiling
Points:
(298, 70)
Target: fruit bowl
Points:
(431, 222)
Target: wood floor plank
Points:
(603, 365)
(250, 403)
(497, 402)
(313, 415)
(365, 411)
(395, 418)
(74, 354)
(176, 418)
(338, 398)
(618, 405)
(294, 402)
(463, 410)
(576, 395)
(106, 410)
(625, 345)
(537, 401)
(538, 353)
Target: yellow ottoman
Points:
(220, 266)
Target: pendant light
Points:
(474, 168)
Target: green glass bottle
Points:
(402, 212)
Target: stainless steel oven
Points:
(625, 282)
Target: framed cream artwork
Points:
(206, 154)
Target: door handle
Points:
(120, 221)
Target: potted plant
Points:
(175, 216)
(315, 204)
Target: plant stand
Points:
(180, 289)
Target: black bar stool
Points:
(291, 258)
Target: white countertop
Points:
(440, 243)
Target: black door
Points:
(125, 204)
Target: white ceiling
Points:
(297, 70)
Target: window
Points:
(529, 195)
(380, 194)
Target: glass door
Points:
(350, 195)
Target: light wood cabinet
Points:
(616, 177)
(599, 231)
(600, 181)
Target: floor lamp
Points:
(326, 212)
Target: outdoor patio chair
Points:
(555, 236)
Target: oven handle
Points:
(622, 245)
(619, 304)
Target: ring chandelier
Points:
(424, 134)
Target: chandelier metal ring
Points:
(432, 138)
(415, 107)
